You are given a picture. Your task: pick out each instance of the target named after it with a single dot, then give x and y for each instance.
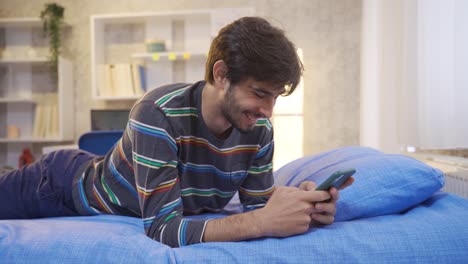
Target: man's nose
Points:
(267, 106)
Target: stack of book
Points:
(121, 79)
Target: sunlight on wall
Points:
(288, 122)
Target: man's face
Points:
(246, 102)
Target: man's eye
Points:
(260, 94)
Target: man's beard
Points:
(233, 112)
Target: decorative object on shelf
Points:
(172, 56)
(52, 18)
(25, 158)
(186, 55)
(155, 45)
(13, 131)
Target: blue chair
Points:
(99, 142)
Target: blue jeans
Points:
(43, 188)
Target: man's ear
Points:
(220, 72)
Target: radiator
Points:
(455, 170)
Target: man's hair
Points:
(252, 48)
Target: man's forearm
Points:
(289, 211)
(234, 228)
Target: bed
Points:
(393, 213)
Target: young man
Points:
(187, 149)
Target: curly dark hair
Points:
(252, 48)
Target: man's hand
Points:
(310, 185)
(289, 211)
(324, 212)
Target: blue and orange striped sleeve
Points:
(259, 183)
(155, 161)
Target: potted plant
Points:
(52, 19)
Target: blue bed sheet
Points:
(434, 231)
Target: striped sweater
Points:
(168, 165)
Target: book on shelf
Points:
(54, 126)
(46, 118)
(138, 79)
(121, 79)
(105, 79)
(38, 120)
(142, 75)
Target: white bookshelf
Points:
(187, 35)
(25, 79)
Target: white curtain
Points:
(414, 74)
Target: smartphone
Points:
(336, 179)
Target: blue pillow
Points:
(384, 183)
